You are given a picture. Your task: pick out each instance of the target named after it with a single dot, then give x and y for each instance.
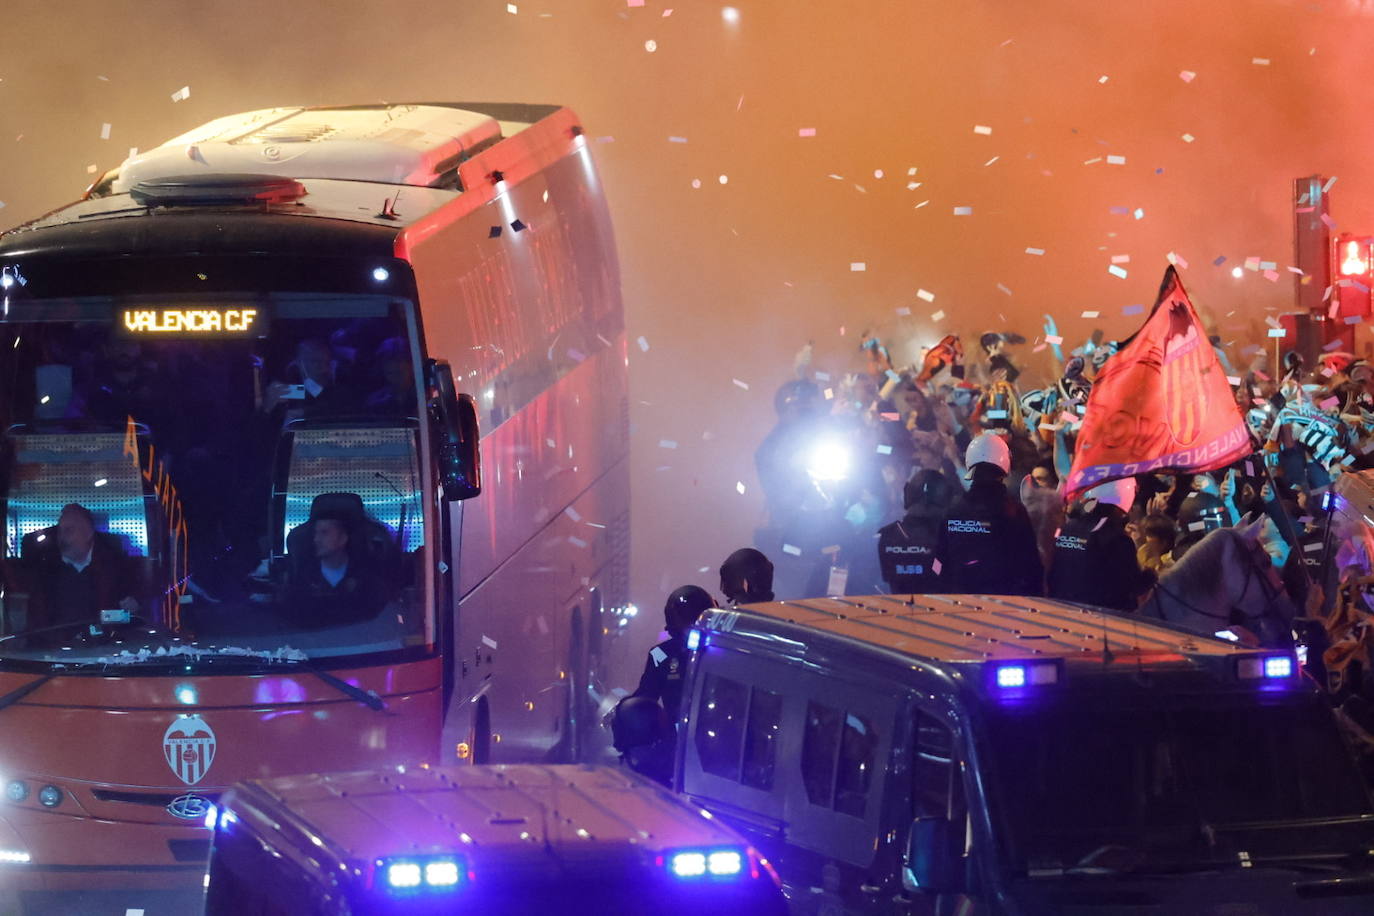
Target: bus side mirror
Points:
(933, 863)
(454, 420)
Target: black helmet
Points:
(796, 398)
(927, 487)
(685, 605)
(638, 722)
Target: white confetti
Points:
(666, 443)
(937, 316)
(105, 131)
(644, 344)
(740, 384)
(1116, 160)
(903, 310)
(1188, 138)
(1260, 61)
(1116, 271)
(925, 294)
(512, 8)
(982, 129)
(1035, 251)
(791, 549)
(961, 211)
(857, 266)
(724, 179)
(651, 46)
(739, 488)
(1091, 314)
(181, 94)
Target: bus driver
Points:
(78, 571)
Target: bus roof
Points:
(496, 810)
(973, 629)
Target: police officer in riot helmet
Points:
(642, 730)
(667, 661)
(779, 458)
(907, 548)
(746, 577)
(1094, 560)
(987, 545)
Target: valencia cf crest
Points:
(189, 746)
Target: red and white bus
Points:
(237, 472)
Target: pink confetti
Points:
(1187, 76)
(807, 132)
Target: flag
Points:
(1162, 403)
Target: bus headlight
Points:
(50, 796)
(16, 790)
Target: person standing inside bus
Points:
(314, 385)
(988, 544)
(79, 571)
(746, 577)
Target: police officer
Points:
(906, 548)
(667, 661)
(746, 577)
(1094, 560)
(988, 545)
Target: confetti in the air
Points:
(937, 316)
(105, 131)
(1187, 76)
(1260, 61)
(643, 344)
(1116, 160)
(925, 294)
(651, 46)
(1117, 271)
(963, 211)
(1091, 314)
(1035, 251)
(1188, 138)
(858, 266)
(740, 384)
(806, 132)
(739, 487)
(981, 129)
(512, 8)
(181, 94)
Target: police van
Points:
(1013, 755)
(499, 839)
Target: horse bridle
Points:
(1252, 573)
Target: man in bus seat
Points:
(396, 397)
(988, 544)
(76, 571)
(667, 661)
(746, 577)
(127, 384)
(337, 584)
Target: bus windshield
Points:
(1197, 781)
(211, 477)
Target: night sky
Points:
(1087, 131)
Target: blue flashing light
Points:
(688, 864)
(1278, 666)
(211, 816)
(442, 873)
(693, 640)
(725, 863)
(403, 875)
(1010, 676)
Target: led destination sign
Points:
(205, 321)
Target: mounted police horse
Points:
(1226, 582)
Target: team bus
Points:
(240, 387)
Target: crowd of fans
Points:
(881, 458)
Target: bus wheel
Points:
(481, 733)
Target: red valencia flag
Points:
(1160, 404)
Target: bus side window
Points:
(737, 731)
(936, 789)
(838, 758)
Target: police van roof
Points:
(971, 629)
(480, 811)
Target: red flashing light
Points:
(1354, 259)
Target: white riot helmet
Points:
(1119, 493)
(988, 448)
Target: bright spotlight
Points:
(828, 461)
(1237, 272)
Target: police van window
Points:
(761, 738)
(720, 725)
(858, 749)
(934, 782)
(737, 729)
(820, 744)
(839, 753)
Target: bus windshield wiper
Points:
(14, 696)
(368, 698)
